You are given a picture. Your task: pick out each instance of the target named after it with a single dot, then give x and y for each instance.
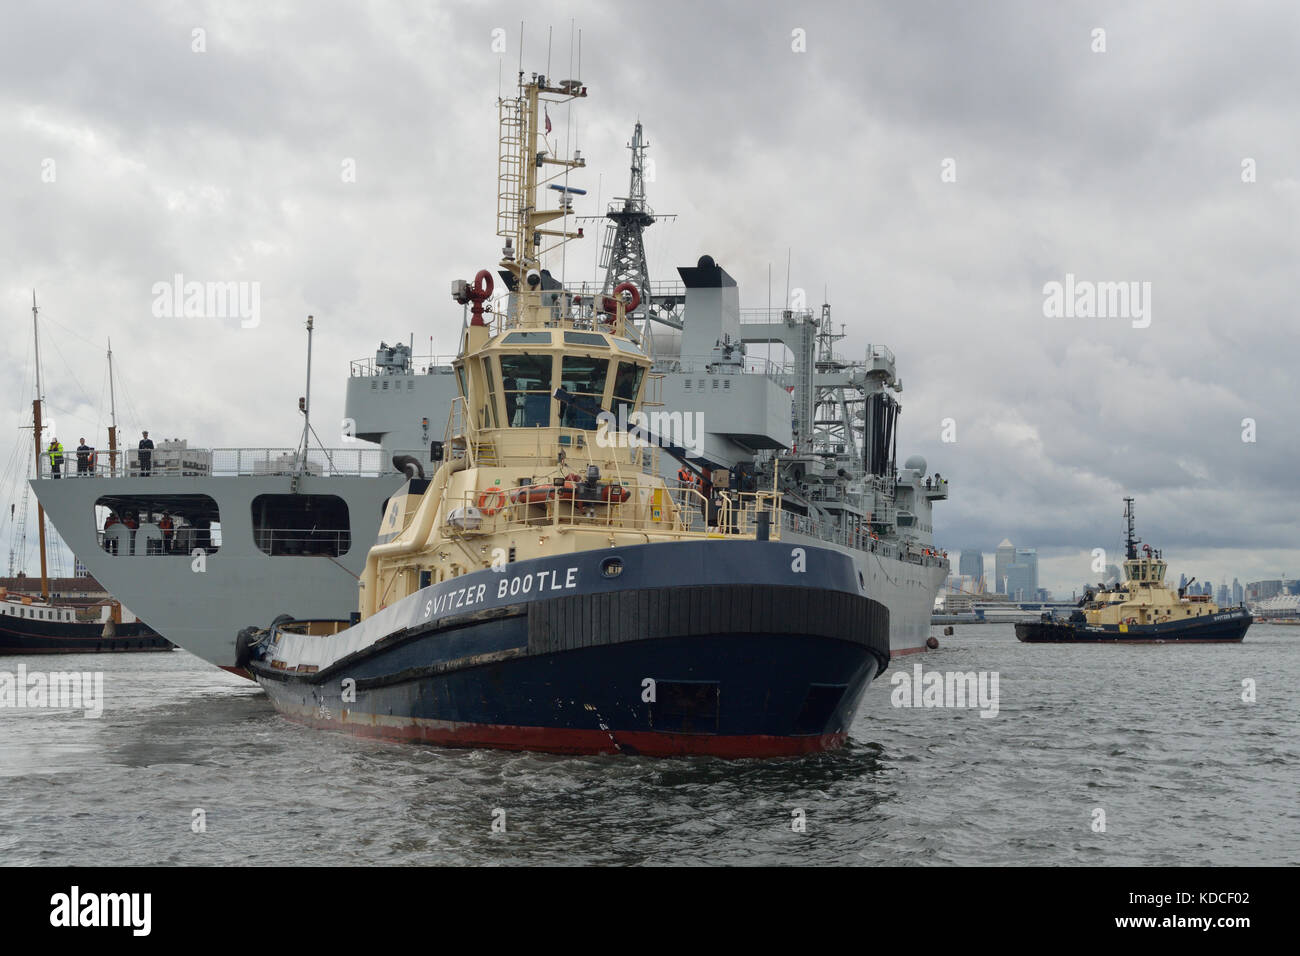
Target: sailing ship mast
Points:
(112, 417)
(36, 434)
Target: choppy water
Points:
(1156, 736)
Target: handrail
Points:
(420, 365)
(673, 511)
(224, 462)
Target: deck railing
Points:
(649, 507)
(223, 462)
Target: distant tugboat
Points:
(1141, 610)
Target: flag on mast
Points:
(547, 114)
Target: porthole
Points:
(611, 567)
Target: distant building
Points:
(1003, 558)
(1223, 597)
(1029, 558)
(971, 565)
(1238, 592)
(1182, 581)
(1263, 590)
(1022, 582)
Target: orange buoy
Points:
(492, 500)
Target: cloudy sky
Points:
(931, 165)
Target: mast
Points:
(36, 436)
(522, 170)
(304, 405)
(1130, 542)
(112, 416)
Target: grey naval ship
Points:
(201, 542)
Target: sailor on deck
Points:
(146, 455)
(84, 455)
(56, 458)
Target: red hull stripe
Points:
(569, 741)
(908, 650)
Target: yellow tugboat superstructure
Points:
(1143, 597)
(536, 458)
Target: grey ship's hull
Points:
(201, 611)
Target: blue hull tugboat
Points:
(1141, 610)
(545, 588)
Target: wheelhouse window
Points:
(526, 383)
(583, 377)
(488, 413)
(301, 525)
(627, 383)
(158, 525)
(589, 339)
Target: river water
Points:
(190, 765)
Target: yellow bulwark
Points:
(526, 474)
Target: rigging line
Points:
(65, 330)
(72, 376)
(130, 404)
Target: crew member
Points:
(84, 453)
(56, 458)
(165, 525)
(110, 544)
(146, 455)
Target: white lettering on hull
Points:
(543, 581)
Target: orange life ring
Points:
(491, 500)
(636, 295)
(609, 304)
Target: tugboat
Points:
(545, 588)
(1141, 610)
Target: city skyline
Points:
(1237, 590)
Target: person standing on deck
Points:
(146, 455)
(56, 458)
(84, 453)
